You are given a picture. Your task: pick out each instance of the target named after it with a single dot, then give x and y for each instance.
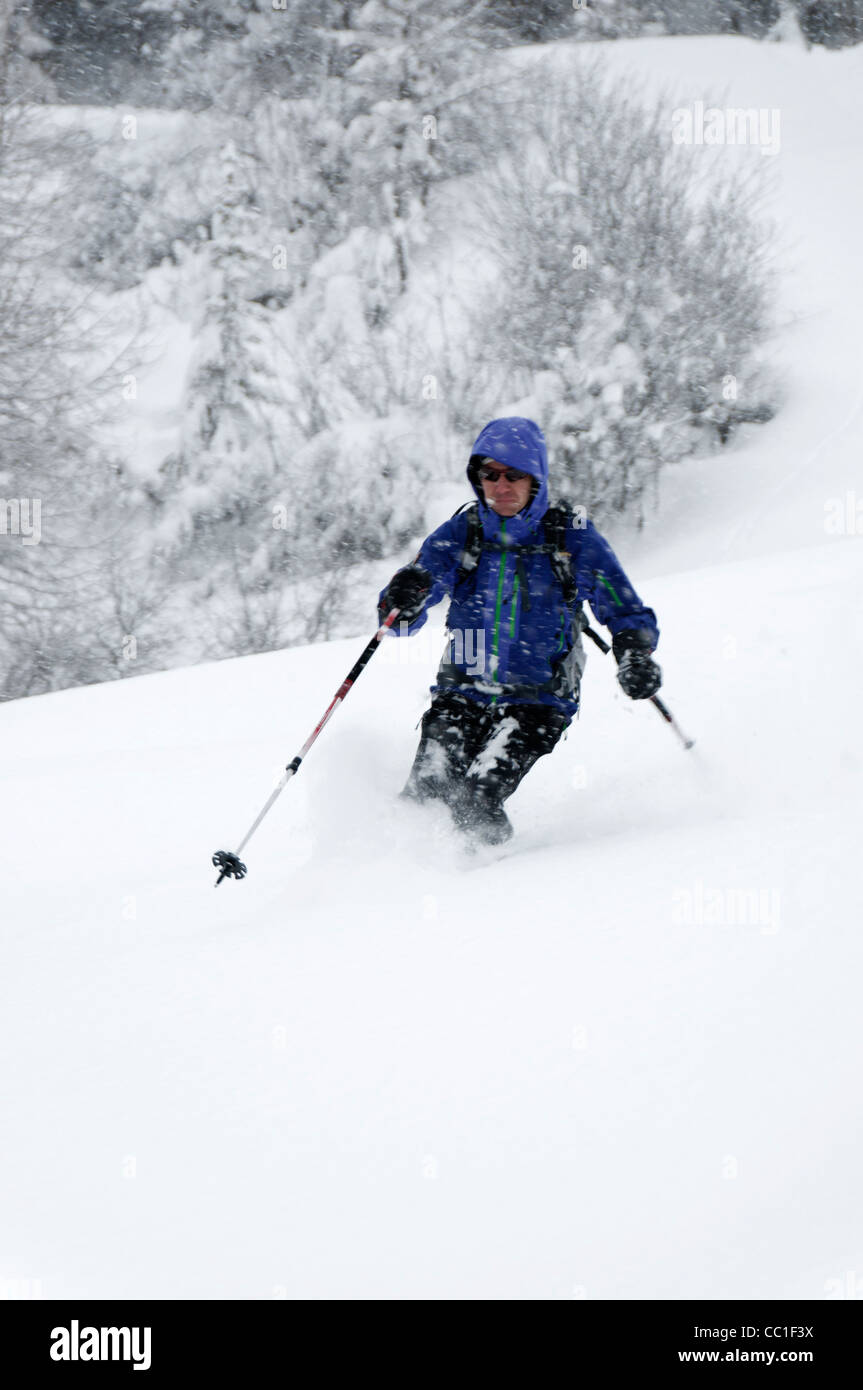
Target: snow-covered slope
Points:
(621, 1062)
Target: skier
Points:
(517, 571)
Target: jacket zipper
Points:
(512, 610)
(497, 608)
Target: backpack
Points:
(555, 522)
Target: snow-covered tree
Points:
(834, 23)
(53, 478)
(228, 444)
(405, 100)
(220, 54)
(304, 175)
(101, 51)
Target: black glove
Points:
(407, 591)
(638, 675)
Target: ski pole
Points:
(230, 864)
(654, 699)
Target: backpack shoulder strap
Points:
(473, 542)
(555, 523)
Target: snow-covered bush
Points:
(633, 291)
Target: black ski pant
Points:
(474, 754)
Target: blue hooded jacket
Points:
(511, 630)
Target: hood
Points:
(515, 443)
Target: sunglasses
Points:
(494, 475)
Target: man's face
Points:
(505, 490)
